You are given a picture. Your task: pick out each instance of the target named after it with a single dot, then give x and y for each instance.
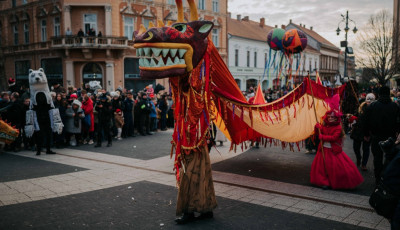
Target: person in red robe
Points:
(332, 168)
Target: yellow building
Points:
(44, 33)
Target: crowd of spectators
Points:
(91, 116)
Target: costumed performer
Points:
(331, 166)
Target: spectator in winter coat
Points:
(73, 123)
(87, 107)
(163, 106)
(129, 106)
(104, 115)
(144, 121)
(381, 122)
(61, 104)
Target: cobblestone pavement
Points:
(113, 191)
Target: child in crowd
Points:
(119, 123)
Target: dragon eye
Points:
(149, 36)
(180, 27)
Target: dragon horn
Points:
(193, 11)
(169, 23)
(180, 10)
(142, 29)
(151, 24)
(160, 23)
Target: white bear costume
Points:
(38, 84)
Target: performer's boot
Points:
(186, 218)
(38, 153)
(206, 215)
(50, 152)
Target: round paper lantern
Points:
(274, 38)
(294, 41)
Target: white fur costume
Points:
(37, 84)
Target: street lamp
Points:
(344, 44)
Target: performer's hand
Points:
(73, 114)
(318, 126)
(367, 139)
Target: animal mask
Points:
(8, 134)
(169, 51)
(38, 84)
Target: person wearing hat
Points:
(332, 168)
(73, 123)
(57, 88)
(381, 122)
(129, 110)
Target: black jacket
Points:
(391, 175)
(382, 118)
(105, 113)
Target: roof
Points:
(315, 35)
(248, 29)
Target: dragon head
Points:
(168, 51)
(8, 134)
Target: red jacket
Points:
(332, 134)
(88, 109)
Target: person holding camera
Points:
(381, 122)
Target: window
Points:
(22, 69)
(255, 59)
(201, 5)
(248, 58)
(171, 2)
(24, 2)
(43, 24)
(53, 69)
(265, 59)
(14, 3)
(57, 28)
(128, 27)
(236, 57)
(90, 22)
(15, 29)
(310, 69)
(215, 37)
(26, 33)
(146, 22)
(215, 5)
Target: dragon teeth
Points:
(173, 52)
(182, 61)
(152, 63)
(176, 61)
(139, 52)
(165, 52)
(156, 51)
(181, 52)
(169, 61)
(146, 51)
(160, 63)
(141, 62)
(146, 62)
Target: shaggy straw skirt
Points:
(196, 189)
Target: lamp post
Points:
(344, 43)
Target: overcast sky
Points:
(323, 15)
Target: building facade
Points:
(44, 33)
(328, 63)
(249, 53)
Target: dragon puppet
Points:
(204, 91)
(8, 133)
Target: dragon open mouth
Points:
(164, 56)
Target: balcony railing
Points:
(31, 47)
(90, 42)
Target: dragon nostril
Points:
(148, 36)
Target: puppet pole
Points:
(354, 92)
(319, 130)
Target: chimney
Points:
(301, 25)
(229, 14)
(239, 17)
(290, 21)
(262, 22)
(311, 27)
(246, 18)
(276, 26)
(304, 26)
(283, 27)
